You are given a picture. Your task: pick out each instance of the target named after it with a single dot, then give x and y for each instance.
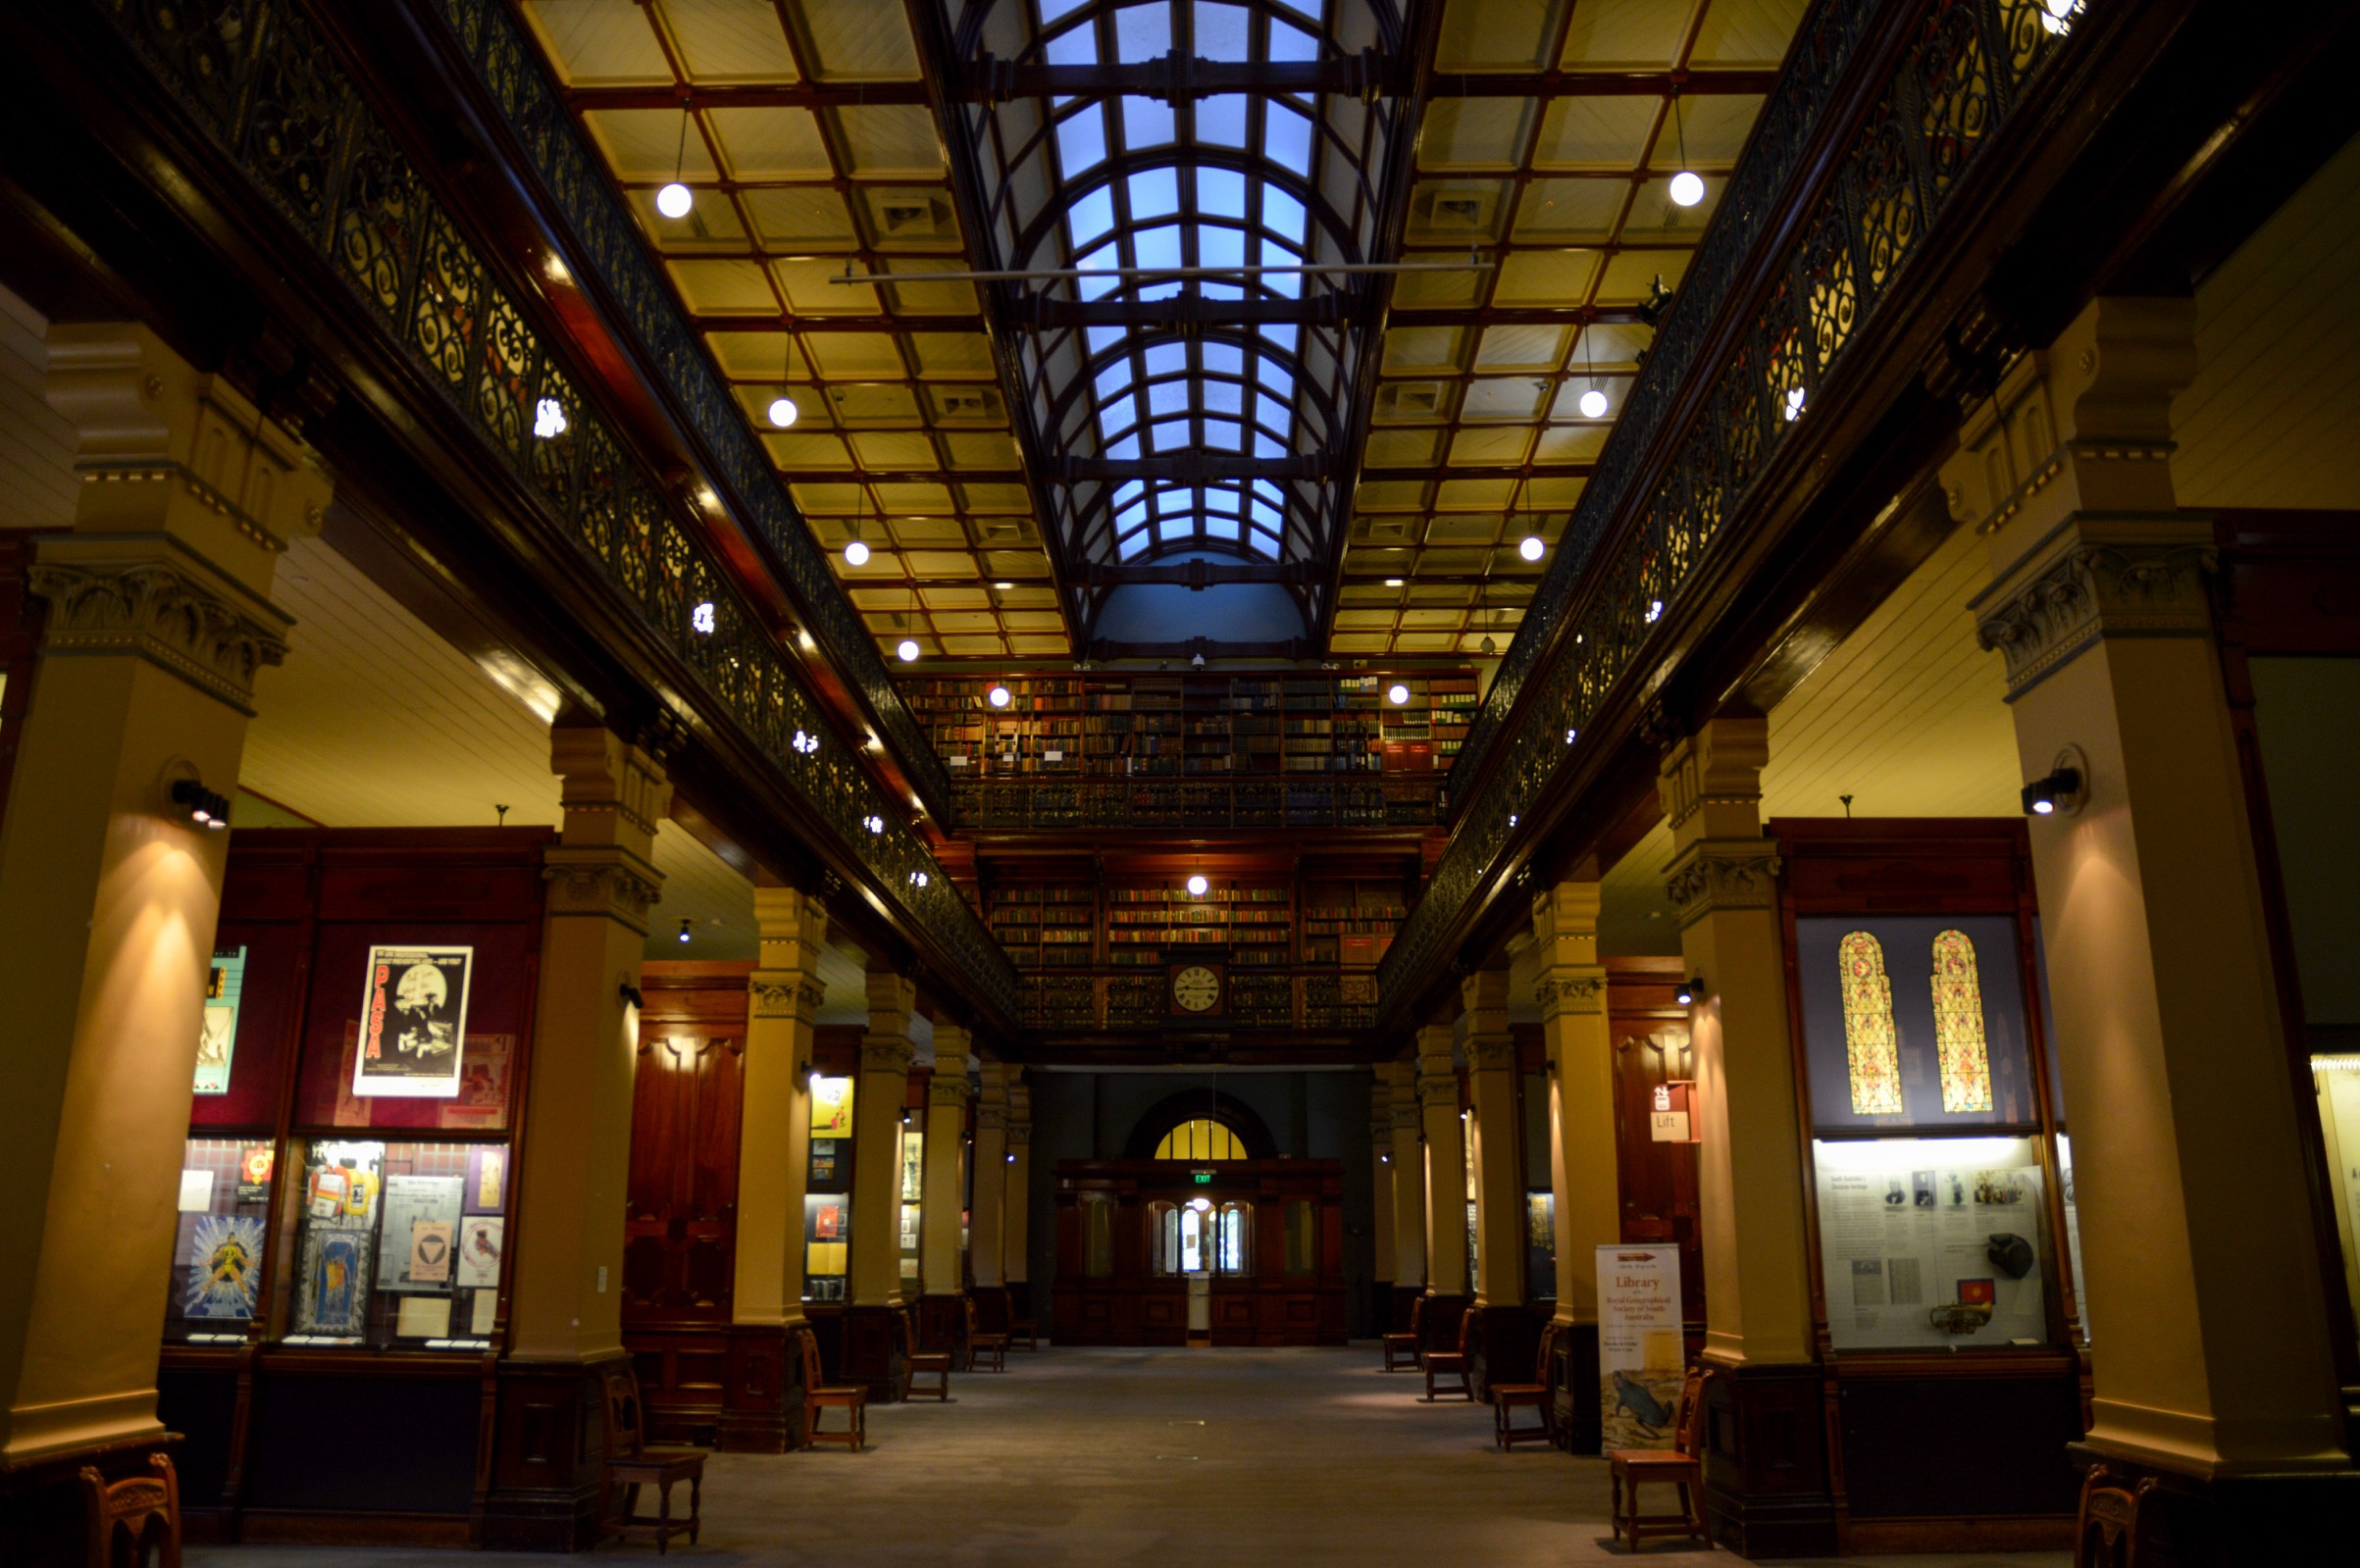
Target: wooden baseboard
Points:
(307, 1528)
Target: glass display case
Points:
(828, 1192)
(913, 1210)
(396, 1243)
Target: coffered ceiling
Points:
(1544, 149)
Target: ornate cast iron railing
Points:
(265, 85)
(1964, 71)
(1325, 999)
(510, 70)
(1292, 803)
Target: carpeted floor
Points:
(1105, 1458)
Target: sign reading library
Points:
(413, 1018)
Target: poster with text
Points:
(1938, 1255)
(480, 1237)
(416, 1208)
(413, 1019)
(217, 1033)
(1640, 1359)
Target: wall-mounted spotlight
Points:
(1012, 1159)
(630, 993)
(1690, 990)
(684, 929)
(2062, 792)
(205, 809)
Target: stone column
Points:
(1017, 1208)
(942, 1313)
(872, 1324)
(1380, 1161)
(763, 1400)
(2193, 1152)
(1445, 1183)
(987, 1197)
(565, 1298)
(1409, 1168)
(1773, 1499)
(1582, 1141)
(158, 618)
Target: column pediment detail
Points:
(1722, 874)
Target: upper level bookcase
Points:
(1196, 725)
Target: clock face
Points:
(1197, 988)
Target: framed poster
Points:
(831, 1107)
(479, 1240)
(224, 1268)
(413, 1022)
(487, 1180)
(216, 1033)
(332, 1291)
(413, 1243)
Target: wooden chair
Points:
(1400, 1350)
(2112, 1520)
(853, 1399)
(1453, 1363)
(1508, 1398)
(1024, 1332)
(1678, 1465)
(917, 1363)
(140, 1511)
(984, 1346)
(631, 1464)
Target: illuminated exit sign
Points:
(1200, 1178)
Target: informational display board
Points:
(1640, 1359)
(1931, 1243)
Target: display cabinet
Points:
(347, 1200)
(1954, 1362)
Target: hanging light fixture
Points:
(909, 650)
(1530, 547)
(1197, 884)
(1593, 401)
(675, 199)
(855, 550)
(999, 695)
(1687, 186)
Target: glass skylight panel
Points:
(1223, 435)
(1082, 141)
(1288, 42)
(1171, 436)
(1223, 396)
(1221, 119)
(1282, 215)
(1166, 359)
(1220, 193)
(1155, 193)
(1147, 123)
(1052, 10)
(1116, 417)
(1286, 138)
(1075, 46)
(1168, 397)
(1103, 339)
(1222, 33)
(1218, 245)
(1223, 358)
(1221, 528)
(1273, 375)
(1091, 217)
(1115, 379)
(1159, 246)
(1142, 32)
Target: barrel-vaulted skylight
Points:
(1171, 178)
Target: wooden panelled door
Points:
(680, 1225)
(1650, 1031)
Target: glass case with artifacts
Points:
(914, 1195)
(225, 1209)
(828, 1192)
(399, 1244)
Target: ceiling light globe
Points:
(908, 651)
(856, 554)
(1592, 404)
(1530, 547)
(1397, 694)
(674, 200)
(783, 411)
(998, 697)
(1687, 189)
(1196, 886)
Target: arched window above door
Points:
(1201, 1139)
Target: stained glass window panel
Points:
(1872, 1052)
(1959, 1025)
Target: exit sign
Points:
(1200, 1178)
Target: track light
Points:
(205, 809)
(2060, 791)
(1689, 991)
(684, 930)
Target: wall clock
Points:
(1197, 988)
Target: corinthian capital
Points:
(2098, 580)
(157, 603)
(1722, 874)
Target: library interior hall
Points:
(954, 783)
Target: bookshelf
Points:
(1193, 725)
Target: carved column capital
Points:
(601, 879)
(784, 993)
(946, 1089)
(1573, 990)
(886, 1053)
(1716, 875)
(1491, 1052)
(2094, 579)
(154, 600)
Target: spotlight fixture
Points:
(908, 651)
(1397, 694)
(1530, 547)
(630, 993)
(1657, 302)
(873, 823)
(205, 808)
(783, 411)
(1196, 886)
(2059, 792)
(1196, 662)
(684, 930)
(1690, 990)
(1569, 735)
(999, 695)
(919, 879)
